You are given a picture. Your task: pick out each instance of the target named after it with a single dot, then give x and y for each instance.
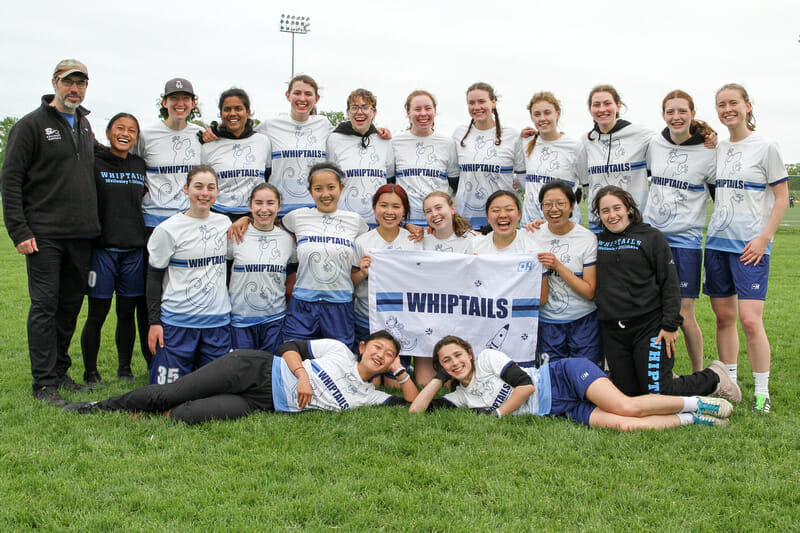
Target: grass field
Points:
(382, 469)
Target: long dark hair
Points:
(634, 215)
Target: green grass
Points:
(382, 469)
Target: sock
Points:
(686, 419)
(732, 371)
(690, 404)
(762, 383)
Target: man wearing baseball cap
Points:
(50, 212)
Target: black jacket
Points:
(636, 275)
(120, 188)
(48, 177)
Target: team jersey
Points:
(423, 165)
(576, 250)
(296, 147)
(523, 243)
(372, 240)
(618, 158)
(562, 159)
(453, 243)
(169, 155)
(484, 168)
(192, 251)
(240, 166)
(676, 203)
(487, 389)
(365, 170)
(746, 171)
(325, 253)
(258, 279)
(335, 381)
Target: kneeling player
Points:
(493, 384)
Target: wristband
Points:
(496, 413)
(401, 381)
(399, 372)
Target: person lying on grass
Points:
(490, 383)
(314, 374)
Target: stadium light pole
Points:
(294, 25)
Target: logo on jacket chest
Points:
(52, 134)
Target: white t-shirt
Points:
(365, 170)
(484, 168)
(453, 244)
(169, 155)
(423, 165)
(325, 253)
(296, 147)
(240, 165)
(487, 389)
(625, 166)
(576, 250)
(676, 203)
(372, 240)
(562, 159)
(523, 243)
(746, 172)
(192, 251)
(334, 377)
(258, 278)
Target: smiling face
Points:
(678, 115)
(234, 115)
(389, 210)
(614, 213)
(556, 209)
(202, 191)
(457, 361)
(545, 117)
(439, 214)
(361, 114)
(325, 189)
(264, 206)
(69, 91)
(604, 110)
(122, 136)
(302, 98)
(179, 105)
(377, 355)
(503, 215)
(421, 113)
(480, 106)
(732, 108)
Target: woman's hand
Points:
(754, 250)
(155, 338)
(416, 233)
(304, 390)
(548, 260)
(533, 226)
(208, 136)
(528, 132)
(364, 264)
(237, 229)
(670, 337)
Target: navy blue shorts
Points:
(569, 379)
(688, 263)
(726, 275)
(187, 349)
(111, 271)
(579, 338)
(319, 320)
(266, 336)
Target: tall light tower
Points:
(294, 24)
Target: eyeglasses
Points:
(364, 108)
(80, 83)
(561, 204)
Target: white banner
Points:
(492, 300)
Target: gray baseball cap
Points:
(178, 85)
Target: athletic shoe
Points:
(706, 420)
(718, 407)
(125, 375)
(727, 388)
(49, 394)
(93, 379)
(68, 384)
(761, 403)
(81, 408)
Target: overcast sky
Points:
(644, 49)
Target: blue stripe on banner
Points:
(525, 307)
(638, 165)
(389, 301)
(181, 263)
(749, 185)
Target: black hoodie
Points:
(120, 188)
